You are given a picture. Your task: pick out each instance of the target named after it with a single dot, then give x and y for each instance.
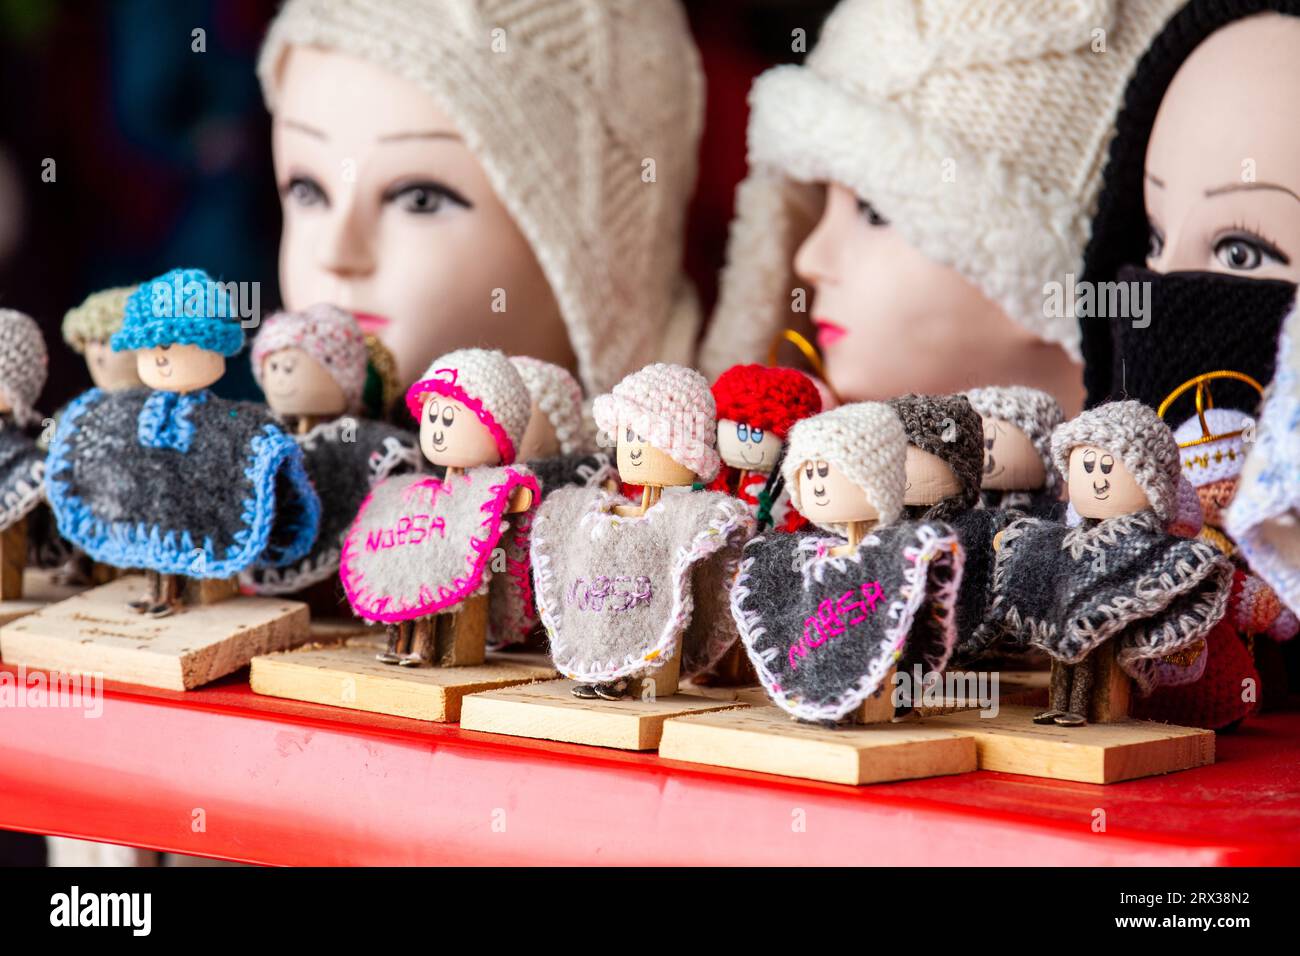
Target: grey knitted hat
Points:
(864, 440)
(948, 427)
(1140, 438)
(23, 363)
(1032, 410)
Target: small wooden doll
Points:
(1118, 583)
(170, 478)
(757, 406)
(1018, 470)
(23, 363)
(424, 553)
(827, 619)
(88, 330)
(637, 592)
(559, 445)
(312, 365)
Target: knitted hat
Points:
(772, 399)
(865, 441)
(97, 318)
(484, 381)
(976, 127)
(383, 384)
(180, 307)
(1222, 455)
(586, 117)
(559, 396)
(326, 333)
(1138, 437)
(672, 408)
(948, 427)
(1034, 412)
(23, 363)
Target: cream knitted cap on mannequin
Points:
(565, 103)
(978, 128)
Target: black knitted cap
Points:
(949, 427)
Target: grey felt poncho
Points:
(22, 475)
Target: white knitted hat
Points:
(1222, 457)
(1032, 410)
(978, 128)
(559, 397)
(485, 382)
(672, 408)
(325, 332)
(24, 363)
(864, 440)
(567, 104)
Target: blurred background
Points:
(124, 153)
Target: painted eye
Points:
(448, 416)
(1107, 463)
(756, 435)
(1155, 244)
(640, 440)
(432, 412)
(823, 469)
(629, 437)
(988, 443)
(870, 214)
(742, 432)
(1089, 461)
(808, 470)
(275, 366)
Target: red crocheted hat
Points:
(772, 399)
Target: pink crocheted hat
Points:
(486, 383)
(672, 408)
(326, 333)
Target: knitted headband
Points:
(772, 399)
(23, 364)
(1204, 461)
(487, 384)
(97, 318)
(948, 427)
(1138, 437)
(559, 397)
(326, 333)
(1033, 411)
(606, 93)
(672, 408)
(180, 307)
(865, 441)
(976, 127)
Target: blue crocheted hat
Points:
(180, 307)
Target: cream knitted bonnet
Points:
(978, 128)
(586, 117)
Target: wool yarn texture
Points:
(1033, 411)
(487, 383)
(1215, 700)
(22, 475)
(948, 427)
(771, 399)
(325, 332)
(558, 396)
(180, 307)
(24, 363)
(598, 89)
(672, 408)
(97, 318)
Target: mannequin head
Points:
(297, 384)
(1222, 185)
(828, 496)
(179, 368)
(1101, 486)
(453, 436)
(1011, 462)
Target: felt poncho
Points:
(22, 475)
(186, 484)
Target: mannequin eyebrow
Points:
(1238, 187)
(303, 128)
(418, 134)
(1155, 180)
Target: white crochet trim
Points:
(25, 495)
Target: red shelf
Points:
(285, 783)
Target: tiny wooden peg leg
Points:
(879, 707)
(462, 636)
(1111, 687)
(13, 558)
(661, 682)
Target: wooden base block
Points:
(549, 711)
(94, 632)
(347, 675)
(1025, 688)
(39, 590)
(769, 740)
(1097, 753)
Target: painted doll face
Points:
(453, 436)
(179, 368)
(826, 496)
(109, 370)
(388, 214)
(297, 384)
(747, 448)
(641, 463)
(930, 479)
(1100, 485)
(1011, 462)
(1223, 163)
(540, 440)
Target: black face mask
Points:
(1199, 322)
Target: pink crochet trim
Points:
(383, 608)
(443, 382)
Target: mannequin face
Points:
(746, 448)
(826, 496)
(540, 440)
(179, 368)
(389, 215)
(640, 463)
(1011, 462)
(1100, 485)
(890, 320)
(452, 435)
(109, 370)
(297, 384)
(930, 479)
(1223, 165)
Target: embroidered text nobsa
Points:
(603, 593)
(835, 616)
(410, 529)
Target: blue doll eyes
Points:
(745, 433)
